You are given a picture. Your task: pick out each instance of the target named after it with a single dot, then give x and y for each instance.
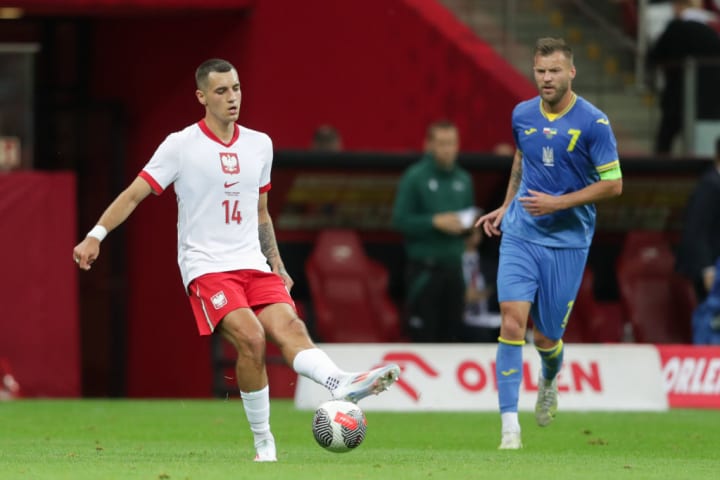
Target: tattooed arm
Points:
(515, 177)
(268, 243)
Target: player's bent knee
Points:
(252, 346)
(512, 330)
(248, 343)
(296, 328)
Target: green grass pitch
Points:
(209, 439)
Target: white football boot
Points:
(357, 386)
(547, 401)
(265, 450)
(510, 441)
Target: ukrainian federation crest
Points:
(219, 300)
(229, 162)
(548, 157)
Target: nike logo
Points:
(604, 121)
(507, 373)
(530, 130)
(228, 184)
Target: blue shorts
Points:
(547, 277)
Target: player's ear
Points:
(201, 97)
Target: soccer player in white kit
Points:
(227, 252)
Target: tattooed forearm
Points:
(268, 244)
(269, 248)
(515, 178)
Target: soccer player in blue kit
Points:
(566, 160)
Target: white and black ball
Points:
(339, 426)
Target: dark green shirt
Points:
(424, 190)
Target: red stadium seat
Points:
(349, 291)
(592, 321)
(658, 302)
(645, 242)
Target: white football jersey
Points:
(217, 186)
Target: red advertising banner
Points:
(691, 375)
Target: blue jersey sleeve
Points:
(603, 146)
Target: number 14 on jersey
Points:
(232, 212)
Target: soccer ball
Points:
(339, 426)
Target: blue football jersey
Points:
(559, 156)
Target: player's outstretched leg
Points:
(356, 386)
(315, 364)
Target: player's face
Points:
(444, 146)
(222, 96)
(553, 76)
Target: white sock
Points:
(257, 410)
(510, 422)
(315, 364)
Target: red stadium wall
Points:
(379, 70)
(39, 331)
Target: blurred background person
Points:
(659, 13)
(685, 37)
(326, 139)
(482, 316)
(700, 243)
(706, 317)
(434, 207)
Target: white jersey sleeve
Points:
(267, 167)
(164, 166)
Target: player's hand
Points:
(539, 203)
(287, 280)
(490, 222)
(86, 252)
(448, 222)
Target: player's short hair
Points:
(439, 125)
(208, 66)
(548, 45)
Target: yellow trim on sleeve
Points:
(608, 166)
(610, 171)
